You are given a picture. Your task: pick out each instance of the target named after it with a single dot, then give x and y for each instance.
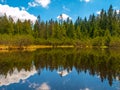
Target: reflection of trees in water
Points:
(12, 60)
(104, 63)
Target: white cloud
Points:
(118, 11)
(98, 12)
(65, 8)
(63, 16)
(85, 1)
(16, 13)
(32, 4)
(44, 86)
(43, 3)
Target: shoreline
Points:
(35, 47)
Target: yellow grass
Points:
(104, 47)
(65, 46)
(38, 46)
(4, 48)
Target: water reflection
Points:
(63, 72)
(16, 76)
(105, 64)
(44, 86)
(17, 66)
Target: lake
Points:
(60, 69)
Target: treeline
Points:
(100, 30)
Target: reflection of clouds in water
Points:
(44, 86)
(33, 85)
(36, 86)
(117, 78)
(16, 76)
(23, 81)
(63, 72)
(85, 89)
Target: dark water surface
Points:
(60, 69)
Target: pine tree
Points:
(36, 29)
(110, 19)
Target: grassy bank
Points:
(28, 42)
(4, 48)
(32, 47)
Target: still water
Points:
(60, 69)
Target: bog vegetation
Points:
(100, 30)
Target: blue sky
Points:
(48, 9)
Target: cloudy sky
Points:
(47, 9)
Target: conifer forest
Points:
(97, 30)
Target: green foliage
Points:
(23, 40)
(115, 42)
(16, 40)
(98, 41)
(96, 30)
